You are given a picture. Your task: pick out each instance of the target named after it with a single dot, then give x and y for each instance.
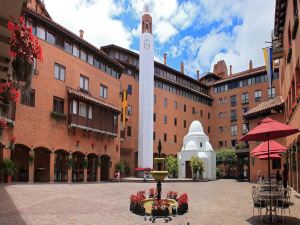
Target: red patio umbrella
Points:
(267, 130)
(262, 148)
(266, 153)
(270, 156)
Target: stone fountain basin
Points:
(149, 202)
(159, 175)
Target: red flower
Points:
(172, 194)
(9, 92)
(3, 125)
(183, 199)
(22, 42)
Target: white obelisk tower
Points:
(146, 93)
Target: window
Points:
(175, 104)
(165, 119)
(193, 111)
(82, 109)
(90, 114)
(153, 136)
(154, 99)
(220, 129)
(233, 115)
(129, 110)
(75, 51)
(233, 130)
(84, 83)
(233, 143)
(233, 100)
(184, 123)
(221, 114)
(221, 144)
(68, 47)
(271, 92)
(41, 33)
(129, 131)
(50, 38)
(208, 130)
(257, 95)
(90, 59)
(245, 98)
(175, 121)
(208, 115)
(96, 63)
(165, 102)
(82, 55)
(74, 107)
(29, 99)
(59, 72)
(246, 109)
(276, 164)
(245, 128)
(201, 144)
(220, 101)
(58, 105)
(175, 139)
(103, 91)
(201, 113)
(165, 137)
(122, 134)
(129, 89)
(154, 117)
(184, 107)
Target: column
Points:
(6, 153)
(52, 162)
(85, 169)
(31, 167)
(70, 164)
(98, 173)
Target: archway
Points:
(61, 165)
(77, 167)
(93, 162)
(105, 165)
(41, 164)
(20, 156)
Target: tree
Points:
(197, 165)
(121, 166)
(171, 165)
(227, 158)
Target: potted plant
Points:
(8, 168)
(24, 48)
(8, 94)
(197, 166)
(172, 165)
(152, 193)
(172, 195)
(121, 167)
(160, 208)
(182, 204)
(137, 203)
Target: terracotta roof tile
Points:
(265, 106)
(91, 98)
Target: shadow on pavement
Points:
(289, 220)
(8, 212)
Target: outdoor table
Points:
(271, 195)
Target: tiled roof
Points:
(91, 98)
(265, 106)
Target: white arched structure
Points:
(196, 143)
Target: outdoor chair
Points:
(258, 203)
(282, 204)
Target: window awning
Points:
(92, 99)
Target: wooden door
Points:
(188, 169)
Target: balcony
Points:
(233, 119)
(245, 101)
(277, 44)
(233, 104)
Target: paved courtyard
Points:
(210, 203)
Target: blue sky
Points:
(197, 32)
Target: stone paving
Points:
(219, 202)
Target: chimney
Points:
(81, 33)
(181, 67)
(198, 74)
(230, 73)
(165, 58)
(250, 65)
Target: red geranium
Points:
(3, 125)
(9, 92)
(13, 139)
(160, 204)
(172, 195)
(183, 199)
(23, 43)
(138, 199)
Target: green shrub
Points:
(8, 167)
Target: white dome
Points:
(196, 127)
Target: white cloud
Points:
(96, 18)
(165, 31)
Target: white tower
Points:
(146, 93)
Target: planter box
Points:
(139, 210)
(160, 213)
(182, 209)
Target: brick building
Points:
(76, 104)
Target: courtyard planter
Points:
(137, 209)
(182, 209)
(8, 168)
(160, 212)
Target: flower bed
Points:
(137, 203)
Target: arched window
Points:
(200, 144)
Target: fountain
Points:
(155, 206)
